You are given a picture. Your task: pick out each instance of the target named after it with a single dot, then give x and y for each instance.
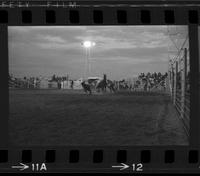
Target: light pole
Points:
(87, 45)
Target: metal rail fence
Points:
(179, 86)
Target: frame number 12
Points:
(137, 167)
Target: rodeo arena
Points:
(147, 109)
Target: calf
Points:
(86, 87)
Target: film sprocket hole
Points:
(100, 86)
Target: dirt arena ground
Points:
(68, 118)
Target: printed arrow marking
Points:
(22, 167)
(123, 166)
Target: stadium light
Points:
(88, 44)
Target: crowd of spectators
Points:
(146, 81)
(58, 78)
(142, 82)
(31, 82)
(25, 82)
(150, 80)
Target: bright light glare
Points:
(88, 44)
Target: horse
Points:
(111, 86)
(121, 85)
(86, 87)
(101, 85)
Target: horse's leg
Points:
(113, 89)
(90, 91)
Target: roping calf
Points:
(86, 87)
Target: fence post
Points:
(183, 82)
(172, 82)
(185, 64)
(171, 78)
(175, 82)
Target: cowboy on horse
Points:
(102, 84)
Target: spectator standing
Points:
(72, 84)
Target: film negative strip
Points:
(100, 86)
